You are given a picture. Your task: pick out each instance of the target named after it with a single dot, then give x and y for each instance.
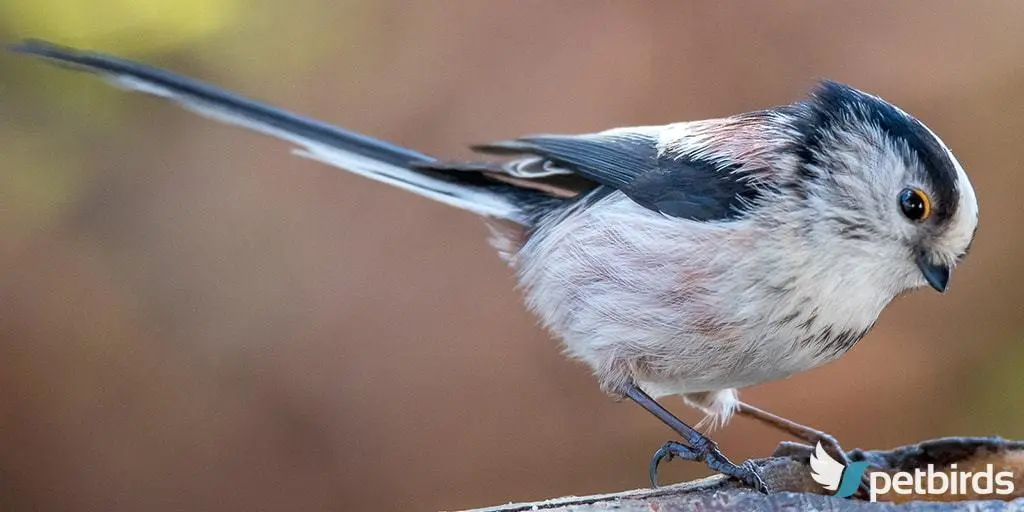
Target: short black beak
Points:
(936, 275)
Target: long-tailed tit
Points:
(687, 259)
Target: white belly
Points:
(689, 307)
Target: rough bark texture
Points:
(786, 472)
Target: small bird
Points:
(688, 259)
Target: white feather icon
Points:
(825, 470)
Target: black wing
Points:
(630, 161)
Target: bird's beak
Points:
(937, 275)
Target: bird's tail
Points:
(367, 156)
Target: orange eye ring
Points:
(915, 204)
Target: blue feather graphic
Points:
(851, 479)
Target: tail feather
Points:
(360, 154)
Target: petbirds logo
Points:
(833, 476)
(845, 480)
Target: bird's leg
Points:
(697, 447)
(804, 433)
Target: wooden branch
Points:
(786, 472)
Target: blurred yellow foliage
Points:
(123, 26)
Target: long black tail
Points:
(329, 144)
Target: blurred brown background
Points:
(193, 319)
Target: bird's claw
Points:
(748, 472)
(753, 477)
(667, 452)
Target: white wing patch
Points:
(825, 470)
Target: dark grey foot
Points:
(712, 457)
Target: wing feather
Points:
(631, 160)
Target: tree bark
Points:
(788, 475)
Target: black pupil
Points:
(912, 204)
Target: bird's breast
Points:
(704, 306)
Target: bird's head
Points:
(880, 182)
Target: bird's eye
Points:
(915, 204)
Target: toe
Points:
(753, 477)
